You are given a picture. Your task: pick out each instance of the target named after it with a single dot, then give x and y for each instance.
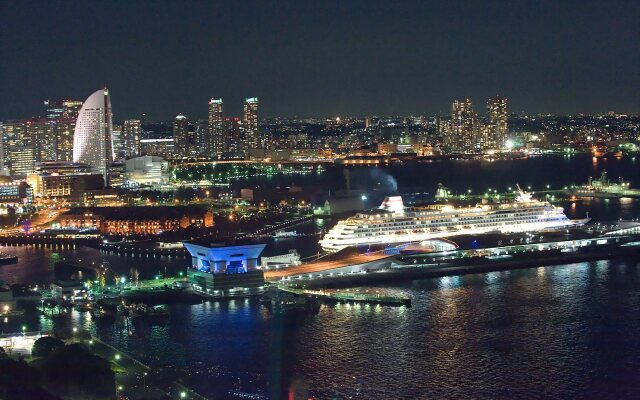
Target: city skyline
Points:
(328, 60)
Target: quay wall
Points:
(403, 272)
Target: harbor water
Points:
(567, 331)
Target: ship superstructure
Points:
(394, 223)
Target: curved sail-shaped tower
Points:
(92, 139)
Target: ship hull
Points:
(331, 246)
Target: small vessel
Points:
(104, 311)
(298, 305)
(144, 311)
(7, 258)
(284, 234)
(282, 302)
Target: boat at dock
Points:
(104, 311)
(350, 297)
(602, 187)
(392, 222)
(144, 311)
(284, 234)
(289, 303)
(7, 258)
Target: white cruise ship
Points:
(393, 223)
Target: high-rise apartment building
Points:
(233, 137)
(497, 121)
(463, 132)
(132, 133)
(250, 124)
(185, 137)
(92, 138)
(214, 143)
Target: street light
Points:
(183, 395)
(117, 357)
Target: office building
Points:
(15, 134)
(117, 140)
(16, 193)
(41, 137)
(66, 181)
(131, 137)
(21, 160)
(71, 109)
(59, 109)
(92, 138)
(117, 177)
(53, 109)
(161, 147)
(63, 130)
(62, 115)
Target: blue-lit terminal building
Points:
(217, 267)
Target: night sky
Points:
(321, 58)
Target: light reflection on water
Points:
(549, 332)
(557, 332)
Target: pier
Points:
(349, 296)
(379, 268)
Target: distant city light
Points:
(509, 144)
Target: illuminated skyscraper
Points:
(42, 138)
(2, 151)
(71, 109)
(132, 133)
(54, 109)
(250, 124)
(117, 140)
(63, 130)
(463, 132)
(185, 137)
(498, 127)
(62, 115)
(233, 137)
(22, 160)
(92, 138)
(214, 142)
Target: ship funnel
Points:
(393, 204)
